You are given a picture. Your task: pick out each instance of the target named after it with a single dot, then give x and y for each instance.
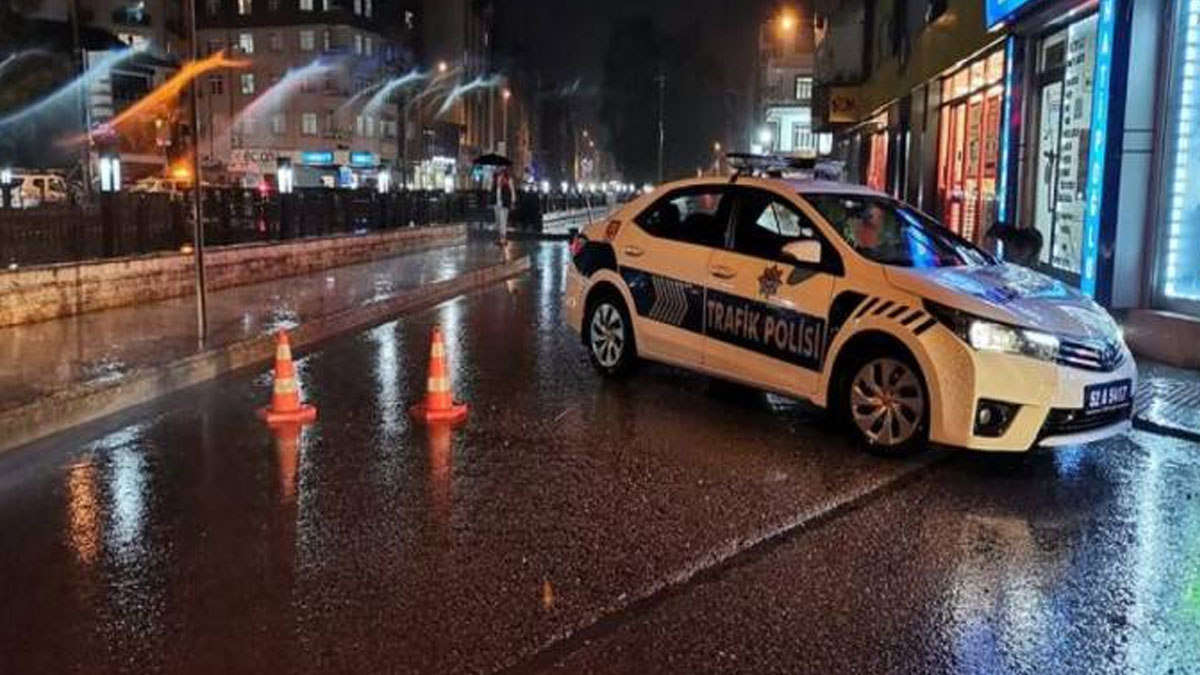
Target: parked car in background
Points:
(173, 187)
(39, 189)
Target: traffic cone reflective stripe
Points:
(439, 403)
(286, 407)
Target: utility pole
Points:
(197, 192)
(84, 107)
(662, 122)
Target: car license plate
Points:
(1100, 398)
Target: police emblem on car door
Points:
(765, 311)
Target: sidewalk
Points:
(1168, 400)
(58, 363)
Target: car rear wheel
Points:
(887, 405)
(610, 338)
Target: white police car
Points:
(855, 301)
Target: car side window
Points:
(765, 224)
(694, 215)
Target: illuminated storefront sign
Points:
(317, 158)
(363, 159)
(1005, 133)
(999, 10)
(1094, 195)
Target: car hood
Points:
(1009, 294)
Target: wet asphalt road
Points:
(665, 524)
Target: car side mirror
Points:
(804, 252)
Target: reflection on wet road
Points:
(187, 538)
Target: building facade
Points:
(784, 87)
(309, 91)
(1068, 117)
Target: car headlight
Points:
(988, 336)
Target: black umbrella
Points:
(492, 159)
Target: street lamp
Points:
(505, 95)
(286, 176)
(787, 21)
(6, 186)
(110, 173)
(717, 146)
(442, 67)
(765, 137)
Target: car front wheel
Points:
(887, 405)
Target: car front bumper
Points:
(1049, 398)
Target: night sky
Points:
(565, 41)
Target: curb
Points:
(1151, 427)
(80, 404)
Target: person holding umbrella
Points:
(506, 198)
(502, 189)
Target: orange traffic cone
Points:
(285, 405)
(439, 406)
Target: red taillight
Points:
(577, 244)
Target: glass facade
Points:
(1178, 266)
(969, 149)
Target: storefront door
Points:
(1065, 70)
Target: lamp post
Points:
(110, 185)
(504, 96)
(197, 191)
(6, 186)
(285, 175)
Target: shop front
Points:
(1079, 171)
(970, 129)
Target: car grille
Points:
(1061, 421)
(1097, 356)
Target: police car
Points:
(858, 302)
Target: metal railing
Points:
(127, 224)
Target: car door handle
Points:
(634, 251)
(722, 272)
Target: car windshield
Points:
(890, 233)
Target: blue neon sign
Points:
(999, 10)
(363, 159)
(1005, 133)
(1094, 194)
(316, 158)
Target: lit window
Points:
(360, 126)
(326, 40)
(279, 124)
(804, 87)
(246, 43)
(357, 7)
(245, 7)
(358, 44)
(370, 127)
(326, 5)
(308, 40)
(306, 5)
(248, 84)
(308, 124)
(367, 7)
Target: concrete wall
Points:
(53, 291)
